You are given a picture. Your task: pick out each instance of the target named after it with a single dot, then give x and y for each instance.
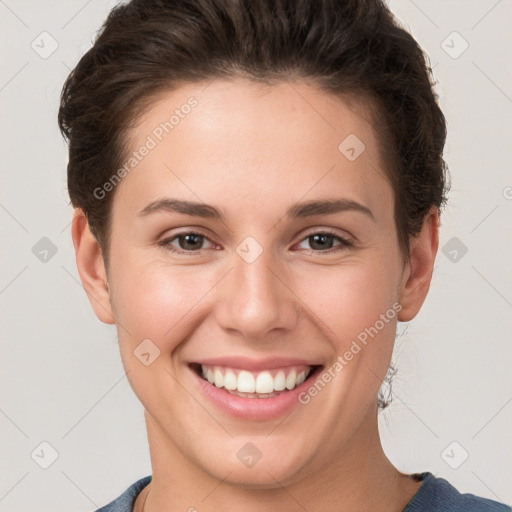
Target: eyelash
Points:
(344, 243)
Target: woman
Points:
(258, 186)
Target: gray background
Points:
(62, 381)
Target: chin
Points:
(248, 467)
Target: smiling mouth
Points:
(250, 384)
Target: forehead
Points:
(262, 142)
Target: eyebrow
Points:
(300, 210)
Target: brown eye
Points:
(324, 241)
(189, 242)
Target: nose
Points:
(255, 300)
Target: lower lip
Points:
(255, 408)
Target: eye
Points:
(191, 242)
(188, 242)
(322, 241)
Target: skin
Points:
(252, 152)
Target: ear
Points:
(418, 270)
(91, 267)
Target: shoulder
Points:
(124, 503)
(438, 495)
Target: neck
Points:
(359, 477)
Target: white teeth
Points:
(230, 380)
(219, 379)
(265, 384)
(246, 382)
(291, 380)
(279, 381)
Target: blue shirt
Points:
(433, 495)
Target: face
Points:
(255, 277)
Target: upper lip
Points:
(251, 364)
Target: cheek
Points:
(349, 298)
(156, 301)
